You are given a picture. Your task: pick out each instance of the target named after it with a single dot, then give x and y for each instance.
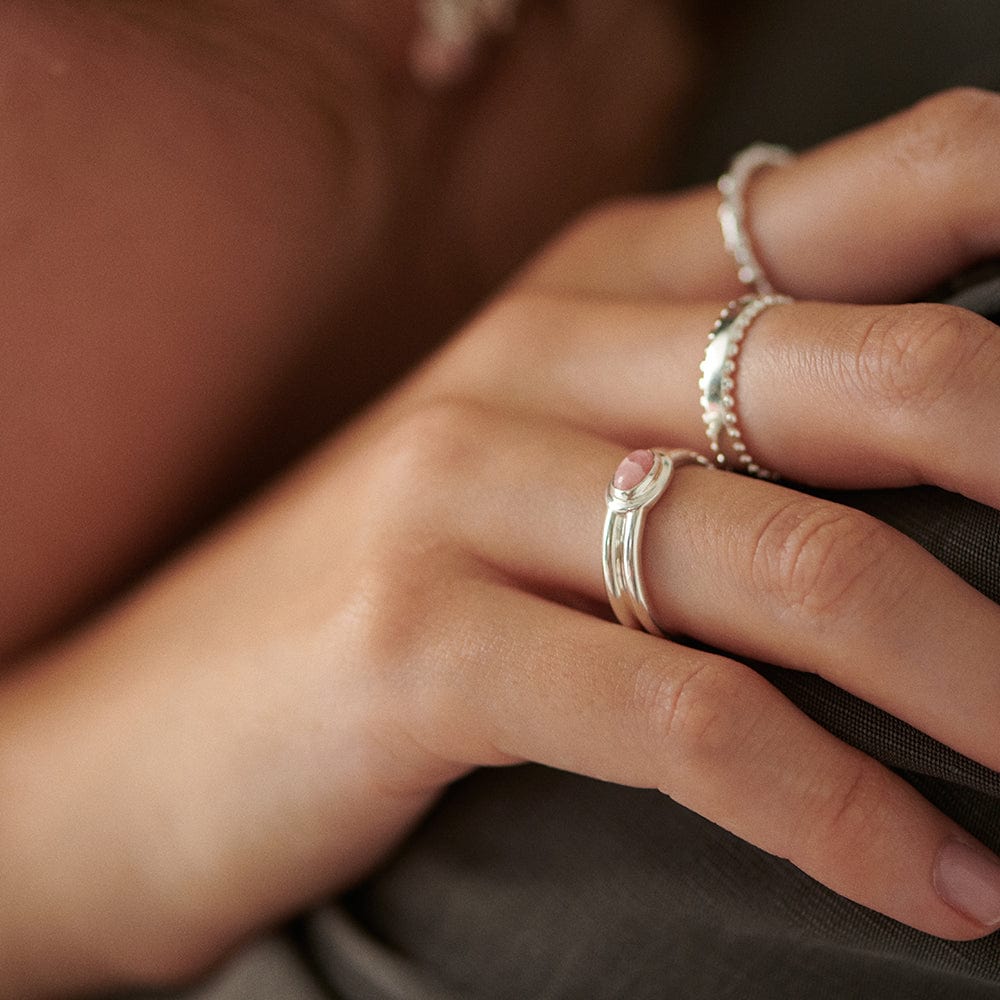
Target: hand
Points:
(261, 723)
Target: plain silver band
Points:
(624, 526)
(733, 210)
(718, 382)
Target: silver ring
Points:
(733, 210)
(623, 531)
(718, 383)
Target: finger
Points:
(747, 566)
(570, 691)
(832, 395)
(882, 214)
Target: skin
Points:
(257, 723)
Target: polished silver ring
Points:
(718, 384)
(623, 530)
(733, 210)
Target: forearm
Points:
(192, 767)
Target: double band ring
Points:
(640, 480)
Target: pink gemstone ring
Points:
(639, 481)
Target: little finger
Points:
(565, 689)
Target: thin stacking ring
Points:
(718, 383)
(733, 210)
(624, 526)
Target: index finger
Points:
(880, 215)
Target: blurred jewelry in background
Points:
(449, 34)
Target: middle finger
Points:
(833, 395)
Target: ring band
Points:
(733, 210)
(623, 530)
(718, 383)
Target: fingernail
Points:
(968, 878)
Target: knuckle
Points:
(586, 237)
(848, 812)
(380, 611)
(424, 449)
(398, 620)
(941, 129)
(688, 717)
(506, 338)
(911, 357)
(528, 329)
(542, 331)
(401, 559)
(821, 561)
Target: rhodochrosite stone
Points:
(633, 469)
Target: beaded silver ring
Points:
(718, 384)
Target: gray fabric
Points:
(272, 968)
(800, 71)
